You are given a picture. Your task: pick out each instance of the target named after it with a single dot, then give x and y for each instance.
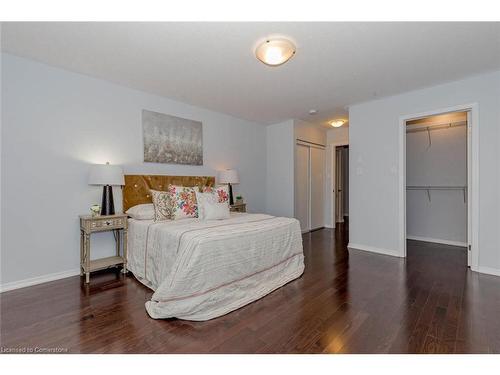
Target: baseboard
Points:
(487, 270)
(38, 280)
(371, 249)
(437, 240)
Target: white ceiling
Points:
(212, 64)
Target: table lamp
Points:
(108, 176)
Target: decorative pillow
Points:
(183, 202)
(212, 195)
(215, 211)
(201, 198)
(142, 212)
(162, 204)
(221, 191)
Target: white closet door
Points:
(302, 186)
(317, 187)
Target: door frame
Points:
(331, 192)
(472, 176)
(339, 174)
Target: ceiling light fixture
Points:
(313, 111)
(275, 52)
(337, 123)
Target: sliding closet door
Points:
(317, 187)
(302, 186)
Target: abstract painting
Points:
(170, 139)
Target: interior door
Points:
(339, 185)
(302, 186)
(317, 187)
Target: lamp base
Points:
(107, 205)
(231, 200)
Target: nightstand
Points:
(92, 224)
(238, 207)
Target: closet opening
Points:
(341, 186)
(438, 183)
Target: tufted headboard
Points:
(137, 187)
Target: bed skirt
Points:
(229, 297)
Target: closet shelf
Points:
(429, 128)
(424, 128)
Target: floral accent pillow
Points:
(222, 192)
(183, 202)
(162, 205)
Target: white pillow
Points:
(215, 211)
(142, 212)
(201, 198)
(211, 198)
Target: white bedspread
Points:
(203, 269)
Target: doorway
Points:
(341, 187)
(439, 180)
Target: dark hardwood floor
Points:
(346, 302)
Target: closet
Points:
(309, 185)
(437, 179)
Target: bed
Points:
(200, 270)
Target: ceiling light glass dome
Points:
(274, 52)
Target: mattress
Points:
(200, 270)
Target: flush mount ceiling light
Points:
(274, 52)
(337, 123)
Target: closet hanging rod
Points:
(424, 128)
(311, 144)
(439, 187)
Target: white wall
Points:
(308, 132)
(374, 210)
(280, 169)
(281, 139)
(338, 135)
(444, 163)
(280, 181)
(55, 124)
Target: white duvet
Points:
(200, 270)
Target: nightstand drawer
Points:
(239, 207)
(107, 223)
(102, 223)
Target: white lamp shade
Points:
(106, 174)
(229, 176)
